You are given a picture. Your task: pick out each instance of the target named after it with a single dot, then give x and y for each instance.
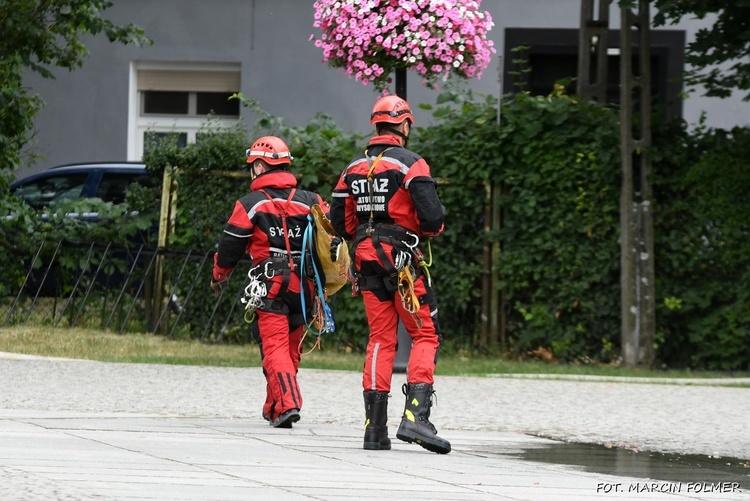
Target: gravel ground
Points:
(698, 417)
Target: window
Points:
(189, 104)
(153, 139)
(552, 55)
(167, 99)
(113, 186)
(165, 103)
(52, 190)
(217, 103)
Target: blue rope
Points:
(328, 323)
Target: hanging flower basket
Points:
(369, 39)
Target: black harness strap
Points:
(393, 234)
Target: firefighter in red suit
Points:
(386, 204)
(268, 223)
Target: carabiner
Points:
(416, 240)
(266, 272)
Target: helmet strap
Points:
(397, 132)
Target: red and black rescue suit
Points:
(391, 212)
(275, 244)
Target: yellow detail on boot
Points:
(415, 402)
(367, 423)
(409, 415)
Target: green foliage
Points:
(36, 36)
(460, 150)
(559, 176)
(321, 149)
(66, 224)
(555, 161)
(719, 57)
(17, 112)
(702, 246)
(205, 198)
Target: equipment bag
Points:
(334, 260)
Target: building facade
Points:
(204, 51)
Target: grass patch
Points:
(128, 348)
(148, 348)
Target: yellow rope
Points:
(315, 345)
(409, 299)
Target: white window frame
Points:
(209, 75)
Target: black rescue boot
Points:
(286, 419)
(415, 424)
(376, 417)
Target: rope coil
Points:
(322, 316)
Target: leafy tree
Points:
(720, 54)
(38, 35)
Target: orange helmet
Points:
(391, 109)
(271, 149)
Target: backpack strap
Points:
(284, 212)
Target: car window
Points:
(52, 190)
(113, 186)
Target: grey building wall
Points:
(86, 117)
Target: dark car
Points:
(106, 180)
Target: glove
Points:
(335, 243)
(218, 286)
(402, 260)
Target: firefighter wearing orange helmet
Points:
(268, 223)
(386, 204)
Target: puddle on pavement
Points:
(675, 468)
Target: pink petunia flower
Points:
(368, 39)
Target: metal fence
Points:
(124, 289)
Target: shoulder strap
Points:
(370, 188)
(283, 212)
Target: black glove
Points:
(335, 243)
(218, 286)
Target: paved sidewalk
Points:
(76, 430)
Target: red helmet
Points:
(391, 109)
(271, 149)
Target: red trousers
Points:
(383, 310)
(280, 332)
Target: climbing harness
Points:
(406, 275)
(403, 271)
